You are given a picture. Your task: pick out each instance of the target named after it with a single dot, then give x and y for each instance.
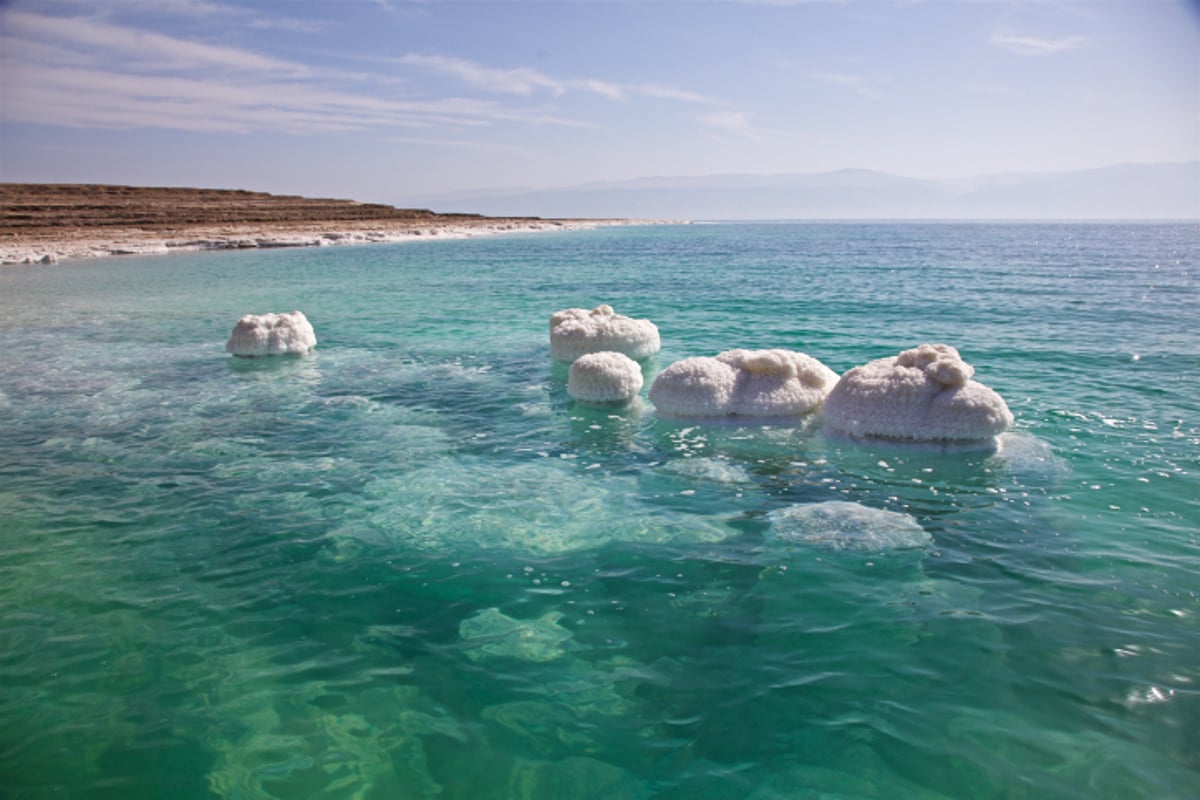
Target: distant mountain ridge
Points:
(1123, 191)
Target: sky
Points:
(384, 100)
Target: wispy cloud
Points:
(527, 81)
(198, 10)
(72, 96)
(290, 24)
(89, 73)
(521, 80)
(610, 90)
(83, 71)
(732, 123)
(187, 8)
(1034, 46)
(141, 48)
(669, 93)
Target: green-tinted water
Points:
(410, 566)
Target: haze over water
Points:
(410, 566)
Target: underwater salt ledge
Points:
(493, 634)
(841, 525)
(542, 506)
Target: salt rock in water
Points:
(743, 383)
(576, 331)
(925, 395)
(493, 634)
(271, 334)
(604, 377)
(842, 525)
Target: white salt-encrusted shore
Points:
(46, 249)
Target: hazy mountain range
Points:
(1126, 191)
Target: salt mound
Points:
(604, 377)
(271, 334)
(576, 331)
(925, 394)
(743, 383)
(842, 525)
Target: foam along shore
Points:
(43, 223)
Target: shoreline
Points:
(46, 223)
(49, 248)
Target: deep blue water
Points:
(410, 566)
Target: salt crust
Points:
(493, 634)
(604, 378)
(544, 506)
(842, 525)
(271, 334)
(576, 331)
(925, 394)
(743, 383)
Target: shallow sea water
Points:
(410, 566)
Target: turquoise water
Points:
(410, 566)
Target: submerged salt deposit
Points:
(542, 506)
(842, 525)
(493, 634)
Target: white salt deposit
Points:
(925, 394)
(271, 334)
(315, 236)
(743, 383)
(842, 525)
(493, 634)
(544, 507)
(604, 378)
(576, 331)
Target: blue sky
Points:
(384, 99)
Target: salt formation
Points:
(271, 334)
(48, 258)
(577, 331)
(743, 383)
(842, 525)
(604, 377)
(542, 507)
(715, 470)
(925, 394)
(493, 634)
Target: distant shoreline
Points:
(45, 223)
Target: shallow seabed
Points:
(410, 566)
